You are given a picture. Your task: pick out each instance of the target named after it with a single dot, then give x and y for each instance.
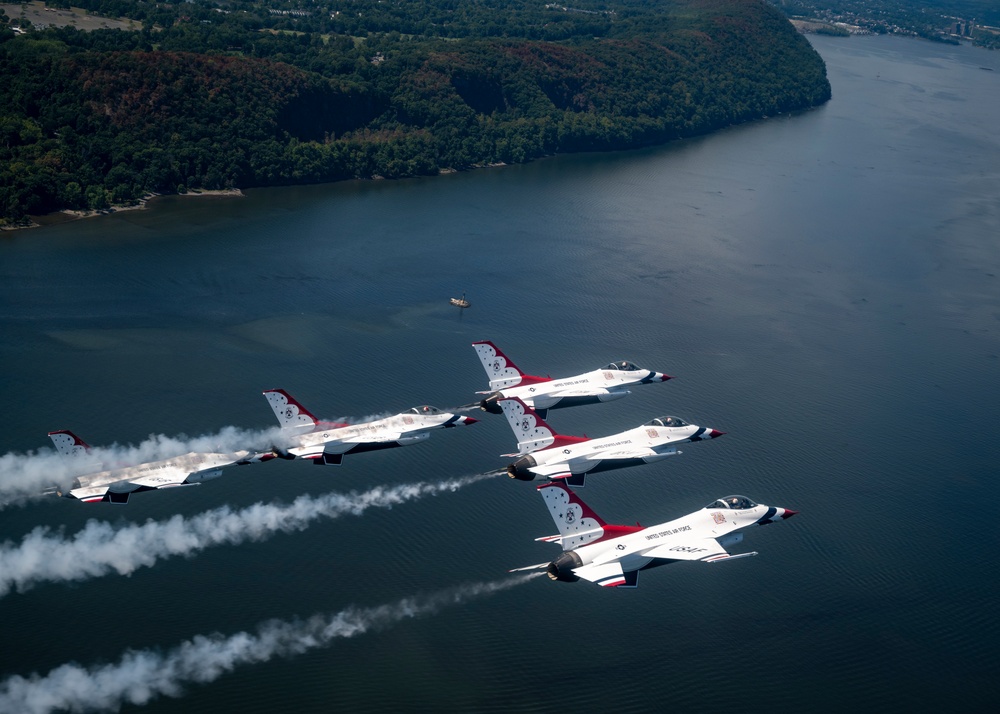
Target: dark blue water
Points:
(823, 286)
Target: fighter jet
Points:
(544, 393)
(545, 453)
(328, 442)
(117, 484)
(613, 555)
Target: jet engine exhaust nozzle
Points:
(281, 453)
(491, 404)
(520, 469)
(562, 567)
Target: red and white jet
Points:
(328, 442)
(544, 393)
(117, 484)
(613, 555)
(555, 456)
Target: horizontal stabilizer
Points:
(539, 566)
(586, 535)
(549, 539)
(730, 557)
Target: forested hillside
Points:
(232, 94)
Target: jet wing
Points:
(707, 550)
(100, 494)
(634, 452)
(310, 452)
(608, 575)
(92, 494)
(372, 438)
(578, 392)
(153, 481)
(552, 471)
(145, 478)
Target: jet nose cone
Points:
(788, 513)
(469, 420)
(664, 377)
(715, 434)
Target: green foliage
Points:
(243, 98)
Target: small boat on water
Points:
(460, 302)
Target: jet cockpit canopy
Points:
(733, 503)
(666, 421)
(623, 366)
(424, 410)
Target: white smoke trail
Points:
(142, 675)
(26, 475)
(101, 548)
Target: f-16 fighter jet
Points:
(544, 393)
(117, 484)
(555, 456)
(612, 556)
(328, 442)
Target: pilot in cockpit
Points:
(623, 366)
(734, 503)
(667, 421)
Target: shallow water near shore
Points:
(823, 287)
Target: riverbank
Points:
(68, 215)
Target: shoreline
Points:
(68, 215)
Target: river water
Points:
(823, 286)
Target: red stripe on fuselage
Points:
(612, 531)
(532, 379)
(560, 440)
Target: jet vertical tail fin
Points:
(502, 372)
(577, 523)
(289, 412)
(531, 431)
(68, 443)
